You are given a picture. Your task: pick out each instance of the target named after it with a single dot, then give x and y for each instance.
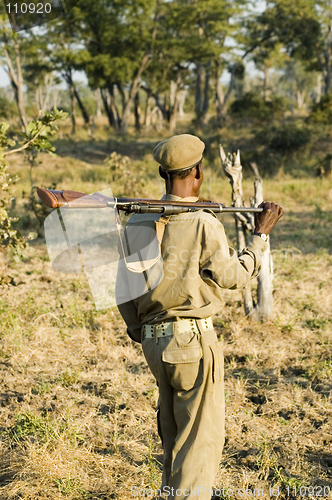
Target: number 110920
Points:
(24, 8)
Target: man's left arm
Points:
(221, 263)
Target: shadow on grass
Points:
(96, 151)
(269, 380)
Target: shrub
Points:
(8, 109)
(321, 112)
(34, 139)
(131, 181)
(252, 106)
(286, 139)
(8, 236)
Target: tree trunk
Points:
(148, 109)
(108, 111)
(266, 84)
(133, 91)
(219, 96)
(122, 95)
(112, 105)
(20, 95)
(181, 100)
(137, 113)
(16, 81)
(98, 100)
(172, 94)
(300, 97)
(55, 98)
(319, 88)
(230, 87)
(264, 307)
(328, 60)
(166, 110)
(38, 97)
(206, 91)
(198, 93)
(48, 83)
(233, 170)
(69, 78)
(157, 118)
(84, 112)
(73, 108)
(174, 108)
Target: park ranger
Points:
(173, 319)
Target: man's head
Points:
(180, 160)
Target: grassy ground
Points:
(77, 416)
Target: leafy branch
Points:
(34, 140)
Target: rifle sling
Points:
(141, 266)
(160, 226)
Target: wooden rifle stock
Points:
(75, 199)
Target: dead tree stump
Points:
(233, 170)
(245, 223)
(264, 307)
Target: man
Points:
(173, 319)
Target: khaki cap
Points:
(180, 152)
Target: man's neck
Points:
(182, 192)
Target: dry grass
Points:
(77, 416)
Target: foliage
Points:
(7, 108)
(295, 25)
(131, 182)
(8, 235)
(33, 140)
(251, 105)
(285, 139)
(36, 136)
(321, 112)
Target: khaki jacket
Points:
(197, 264)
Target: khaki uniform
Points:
(188, 366)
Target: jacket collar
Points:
(173, 197)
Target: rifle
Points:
(75, 199)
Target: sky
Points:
(80, 76)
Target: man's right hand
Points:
(266, 220)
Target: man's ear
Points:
(198, 171)
(162, 173)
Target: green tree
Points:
(38, 70)
(297, 83)
(11, 54)
(301, 27)
(119, 38)
(68, 55)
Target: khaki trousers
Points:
(189, 370)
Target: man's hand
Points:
(266, 220)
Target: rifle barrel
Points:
(74, 199)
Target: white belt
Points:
(167, 328)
